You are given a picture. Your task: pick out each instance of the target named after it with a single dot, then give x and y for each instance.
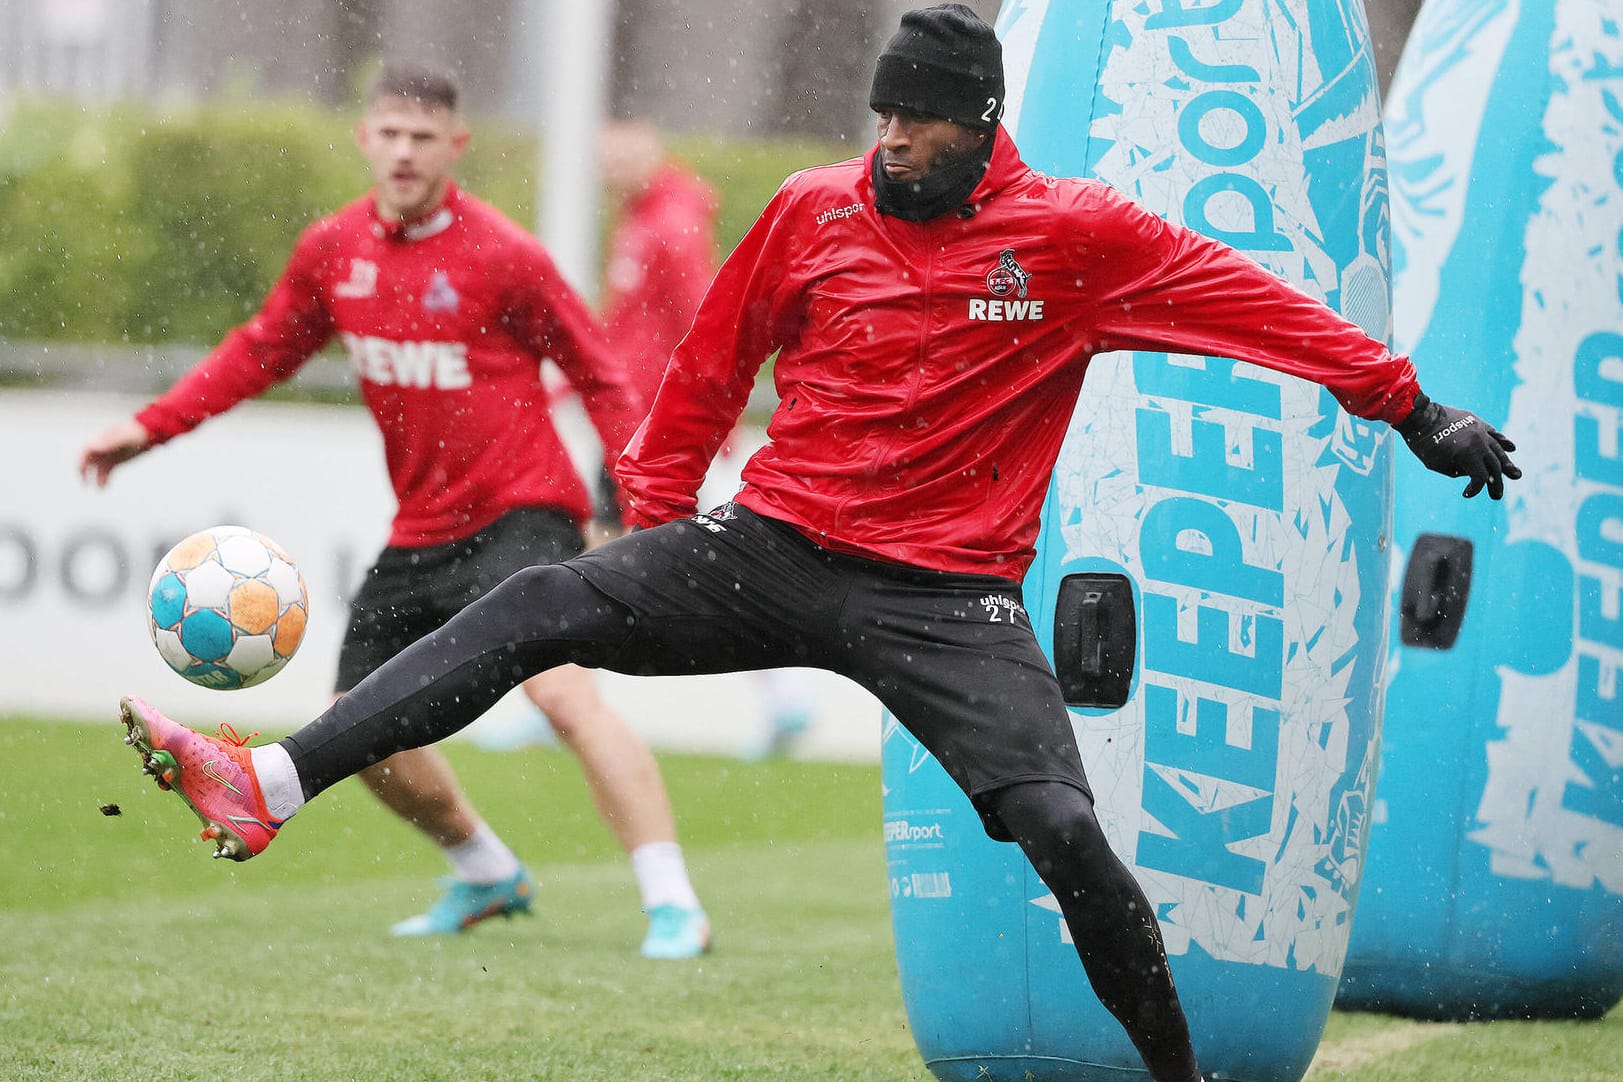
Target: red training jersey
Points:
(662, 256)
(927, 371)
(446, 321)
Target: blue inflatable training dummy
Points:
(1495, 881)
(1211, 580)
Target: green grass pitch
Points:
(125, 952)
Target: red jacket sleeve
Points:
(745, 317)
(554, 321)
(1165, 287)
(289, 327)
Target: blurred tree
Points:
(827, 49)
(727, 67)
(356, 38)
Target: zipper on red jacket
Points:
(917, 382)
(883, 455)
(924, 324)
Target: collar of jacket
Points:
(1005, 168)
(431, 224)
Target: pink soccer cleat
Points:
(213, 775)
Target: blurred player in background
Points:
(446, 310)
(661, 259)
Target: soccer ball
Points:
(227, 608)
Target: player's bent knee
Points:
(1047, 813)
(551, 604)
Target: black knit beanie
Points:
(946, 62)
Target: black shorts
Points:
(409, 592)
(952, 656)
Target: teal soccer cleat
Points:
(465, 904)
(675, 932)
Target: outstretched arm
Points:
(113, 447)
(290, 326)
(1170, 288)
(554, 322)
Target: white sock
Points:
(483, 858)
(662, 876)
(278, 781)
(786, 694)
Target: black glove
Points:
(1458, 443)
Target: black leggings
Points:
(538, 619)
(1126, 962)
(547, 616)
(952, 656)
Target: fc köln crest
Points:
(441, 295)
(1008, 276)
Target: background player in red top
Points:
(884, 530)
(661, 259)
(446, 309)
(661, 252)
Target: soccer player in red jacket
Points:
(899, 496)
(446, 310)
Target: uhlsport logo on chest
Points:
(1007, 281)
(362, 280)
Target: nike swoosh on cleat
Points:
(250, 819)
(210, 771)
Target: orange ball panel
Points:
(191, 552)
(252, 606)
(289, 631)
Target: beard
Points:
(951, 179)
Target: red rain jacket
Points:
(445, 321)
(927, 371)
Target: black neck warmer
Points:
(947, 186)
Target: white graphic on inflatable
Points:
(1572, 308)
(1230, 89)
(1020, 25)
(917, 756)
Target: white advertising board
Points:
(75, 563)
